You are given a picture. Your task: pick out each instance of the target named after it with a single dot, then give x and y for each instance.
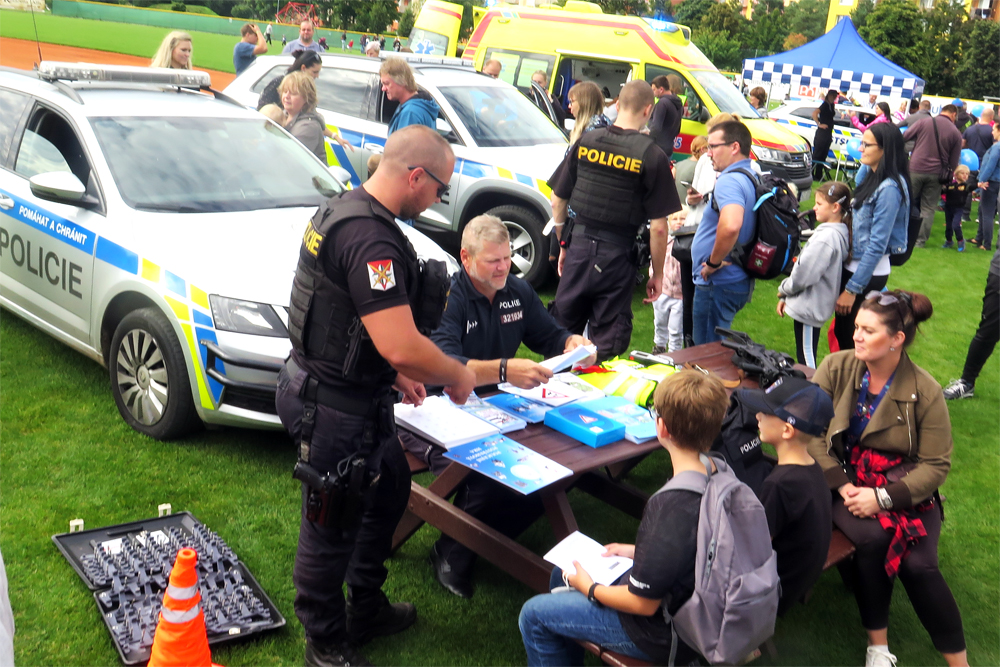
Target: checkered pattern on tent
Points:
(762, 71)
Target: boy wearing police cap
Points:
(358, 321)
(795, 497)
(615, 179)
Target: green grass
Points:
(211, 51)
(66, 453)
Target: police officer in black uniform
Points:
(615, 179)
(490, 313)
(359, 303)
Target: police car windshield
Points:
(498, 116)
(725, 95)
(200, 165)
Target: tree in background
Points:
(895, 29)
(808, 17)
(377, 15)
(625, 7)
(860, 14)
(725, 18)
(724, 52)
(945, 33)
(466, 29)
(406, 21)
(978, 72)
(721, 33)
(690, 12)
(660, 8)
(794, 41)
(768, 29)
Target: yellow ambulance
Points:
(580, 43)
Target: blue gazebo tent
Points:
(839, 59)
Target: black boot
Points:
(339, 654)
(370, 615)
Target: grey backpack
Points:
(736, 588)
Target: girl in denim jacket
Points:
(881, 213)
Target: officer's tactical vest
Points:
(607, 192)
(322, 321)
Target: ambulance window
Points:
(50, 144)
(343, 91)
(518, 66)
(427, 42)
(11, 107)
(694, 108)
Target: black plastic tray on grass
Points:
(128, 567)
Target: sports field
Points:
(65, 453)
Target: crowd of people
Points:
(864, 446)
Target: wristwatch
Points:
(590, 594)
(709, 264)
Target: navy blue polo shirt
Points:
(473, 328)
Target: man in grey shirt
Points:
(305, 41)
(934, 154)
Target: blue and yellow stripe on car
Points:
(479, 170)
(336, 155)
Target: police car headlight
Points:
(246, 317)
(765, 154)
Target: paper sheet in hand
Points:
(589, 552)
(441, 422)
(566, 360)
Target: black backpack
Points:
(775, 244)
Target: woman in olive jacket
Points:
(886, 453)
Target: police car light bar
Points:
(185, 78)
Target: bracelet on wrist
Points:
(883, 498)
(503, 370)
(712, 265)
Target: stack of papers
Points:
(441, 422)
(567, 359)
(553, 392)
(504, 421)
(525, 408)
(508, 462)
(605, 570)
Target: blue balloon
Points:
(854, 148)
(969, 159)
(977, 110)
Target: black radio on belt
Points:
(335, 500)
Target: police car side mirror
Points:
(340, 174)
(59, 186)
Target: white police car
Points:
(156, 229)
(505, 147)
(797, 117)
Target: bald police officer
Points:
(616, 179)
(359, 305)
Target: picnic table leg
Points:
(443, 486)
(560, 514)
(511, 557)
(617, 494)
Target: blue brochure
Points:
(525, 408)
(508, 462)
(639, 424)
(581, 423)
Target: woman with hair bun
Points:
(305, 61)
(886, 454)
(881, 214)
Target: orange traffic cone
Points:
(181, 639)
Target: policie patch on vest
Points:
(380, 275)
(609, 159)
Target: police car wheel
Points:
(529, 250)
(149, 377)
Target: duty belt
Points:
(336, 398)
(618, 238)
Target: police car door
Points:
(343, 100)
(47, 239)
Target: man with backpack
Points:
(660, 611)
(722, 289)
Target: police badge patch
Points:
(380, 275)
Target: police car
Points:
(505, 147)
(156, 229)
(797, 117)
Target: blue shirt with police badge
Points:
(729, 189)
(474, 328)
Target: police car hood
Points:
(532, 161)
(248, 255)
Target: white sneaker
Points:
(879, 657)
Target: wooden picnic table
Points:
(595, 471)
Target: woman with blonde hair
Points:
(586, 103)
(174, 52)
(298, 97)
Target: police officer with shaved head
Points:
(361, 307)
(615, 179)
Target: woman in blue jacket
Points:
(881, 213)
